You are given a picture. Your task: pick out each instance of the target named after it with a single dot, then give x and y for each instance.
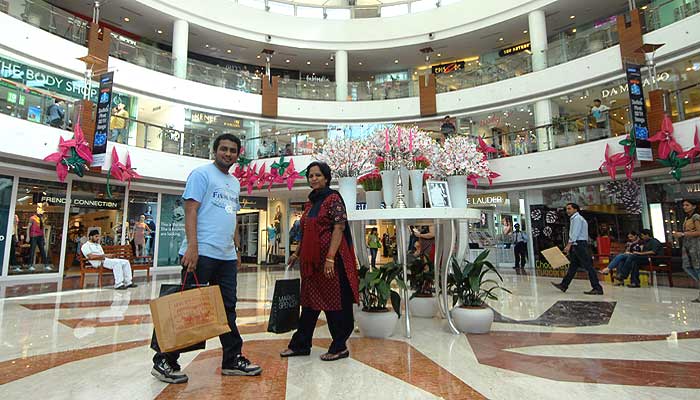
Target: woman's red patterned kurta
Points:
(317, 291)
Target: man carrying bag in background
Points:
(209, 251)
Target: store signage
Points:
(621, 89)
(448, 68)
(638, 111)
(487, 199)
(53, 200)
(254, 203)
(104, 110)
(40, 79)
(124, 39)
(509, 51)
(199, 117)
(693, 188)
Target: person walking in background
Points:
(691, 241)
(386, 243)
(447, 128)
(55, 114)
(599, 111)
(329, 280)
(374, 246)
(519, 247)
(210, 251)
(118, 124)
(633, 245)
(578, 251)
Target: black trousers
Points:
(520, 250)
(340, 323)
(580, 257)
(225, 274)
(13, 250)
(37, 241)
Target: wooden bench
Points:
(124, 252)
(663, 264)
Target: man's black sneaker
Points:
(164, 372)
(175, 366)
(241, 367)
(594, 292)
(633, 285)
(559, 286)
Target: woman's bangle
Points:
(330, 260)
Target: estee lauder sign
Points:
(487, 199)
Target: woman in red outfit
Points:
(329, 279)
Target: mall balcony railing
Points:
(568, 46)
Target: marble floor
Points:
(628, 344)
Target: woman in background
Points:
(691, 241)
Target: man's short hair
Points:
(574, 206)
(226, 136)
(94, 232)
(597, 101)
(646, 232)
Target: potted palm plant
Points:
(470, 288)
(375, 319)
(421, 280)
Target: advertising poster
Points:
(638, 111)
(104, 110)
(171, 231)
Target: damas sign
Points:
(624, 88)
(487, 199)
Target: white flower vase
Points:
(348, 190)
(458, 190)
(388, 186)
(417, 185)
(373, 199)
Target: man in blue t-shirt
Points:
(209, 250)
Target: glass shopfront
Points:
(202, 128)
(141, 221)
(664, 202)
(5, 199)
(92, 208)
(171, 230)
(39, 212)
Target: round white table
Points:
(445, 221)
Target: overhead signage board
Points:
(448, 68)
(487, 199)
(104, 111)
(638, 111)
(509, 51)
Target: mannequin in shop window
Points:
(13, 245)
(139, 236)
(150, 239)
(36, 233)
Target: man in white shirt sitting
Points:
(121, 268)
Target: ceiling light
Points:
(258, 56)
(359, 63)
(572, 17)
(160, 32)
(686, 102)
(525, 31)
(326, 64)
(500, 39)
(573, 30)
(228, 51)
(439, 54)
(206, 45)
(126, 19)
(396, 61)
(287, 60)
(308, 62)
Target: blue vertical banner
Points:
(104, 110)
(638, 111)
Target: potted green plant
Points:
(470, 288)
(375, 319)
(421, 280)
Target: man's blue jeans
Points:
(117, 136)
(619, 259)
(631, 268)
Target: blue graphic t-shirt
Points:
(217, 194)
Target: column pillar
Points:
(538, 44)
(180, 45)
(341, 75)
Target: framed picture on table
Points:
(438, 194)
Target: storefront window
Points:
(93, 209)
(5, 198)
(202, 128)
(39, 214)
(141, 220)
(171, 231)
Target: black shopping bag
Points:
(166, 289)
(284, 315)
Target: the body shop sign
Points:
(39, 79)
(104, 109)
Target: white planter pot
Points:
(348, 190)
(388, 186)
(377, 324)
(458, 190)
(416, 176)
(405, 177)
(423, 307)
(373, 199)
(473, 320)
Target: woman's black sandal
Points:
(292, 353)
(336, 356)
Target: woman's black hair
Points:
(325, 170)
(633, 233)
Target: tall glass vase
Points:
(458, 190)
(417, 186)
(348, 190)
(388, 186)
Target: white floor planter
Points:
(377, 324)
(458, 190)
(373, 199)
(473, 320)
(423, 307)
(348, 189)
(417, 185)
(388, 186)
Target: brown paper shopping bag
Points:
(188, 317)
(555, 257)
